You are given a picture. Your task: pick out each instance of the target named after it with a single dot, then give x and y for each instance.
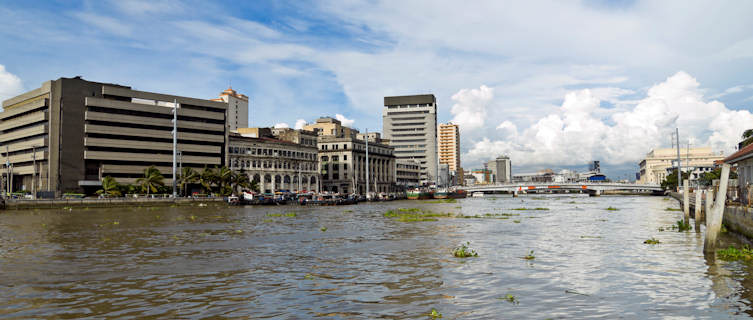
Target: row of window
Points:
(273, 152)
(269, 164)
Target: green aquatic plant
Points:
(291, 214)
(324, 229)
(442, 201)
(308, 276)
(434, 314)
(672, 209)
(531, 209)
(274, 215)
(347, 211)
(530, 256)
(413, 215)
(612, 208)
(510, 298)
(516, 221)
(652, 241)
(733, 254)
(661, 229)
(590, 237)
(682, 226)
(464, 251)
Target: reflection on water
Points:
(259, 262)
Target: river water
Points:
(352, 262)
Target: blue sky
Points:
(551, 83)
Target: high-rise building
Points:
(68, 134)
(503, 169)
(449, 146)
(237, 108)
(410, 123)
(653, 168)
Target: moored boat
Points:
(458, 194)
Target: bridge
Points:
(592, 188)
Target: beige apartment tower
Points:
(410, 124)
(68, 134)
(237, 108)
(449, 146)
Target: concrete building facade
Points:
(342, 161)
(503, 169)
(410, 123)
(70, 133)
(275, 164)
(653, 168)
(237, 108)
(449, 146)
(408, 173)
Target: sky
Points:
(552, 84)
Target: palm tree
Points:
(240, 180)
(151, 180)
(224, 177)
(109, 187)
(207, 178)
(187, 176)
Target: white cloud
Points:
(299, 124)
(573, 135)
(345, 121)
(10, 84)
(469, 110)
(107, 24)
(282, 125)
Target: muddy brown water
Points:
(258, 262)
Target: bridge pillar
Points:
(594, 193)
(698, 204)
(515, 194)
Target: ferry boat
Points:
(441, 194)
(417, 194)
(478, 194)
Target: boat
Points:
(478, 194)
(441, 194)
(417, 194)
(458, 194)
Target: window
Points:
(345, 157)
(345, 146)
(334, 147)
(335, 158)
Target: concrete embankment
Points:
(737, 218)
(119, 202)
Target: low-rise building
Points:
(275, 164)
(653, 168)
(342, 161)
(68, 134)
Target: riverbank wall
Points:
(15, 204)
(737, 218)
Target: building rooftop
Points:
(742, 154)
(414, 99)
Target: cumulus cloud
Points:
(469, 110)
(345, 121)
(575, 135)
(299, 124)
(10, 84)
(282, 125)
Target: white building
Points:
(237, 108)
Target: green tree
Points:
(187, 176)
(747, 138)
(671, 180)
(110, 187)
(224, 179)
(151, 180)
(240, 180)
(207, 178)
(707, 178)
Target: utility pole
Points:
(7, 166)
(34, 172)
(175, 146)
(679, 164)
(367, 163)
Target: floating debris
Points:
(435, 314)
(652, 241)
(464, 251)
(612, 209)
(510, 298)
(575, 292)
(530, 256)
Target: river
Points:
(352, 262)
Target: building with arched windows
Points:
(275, 164)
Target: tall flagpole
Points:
(175, 146)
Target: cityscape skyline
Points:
(612, 96)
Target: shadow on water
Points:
(353, 262)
